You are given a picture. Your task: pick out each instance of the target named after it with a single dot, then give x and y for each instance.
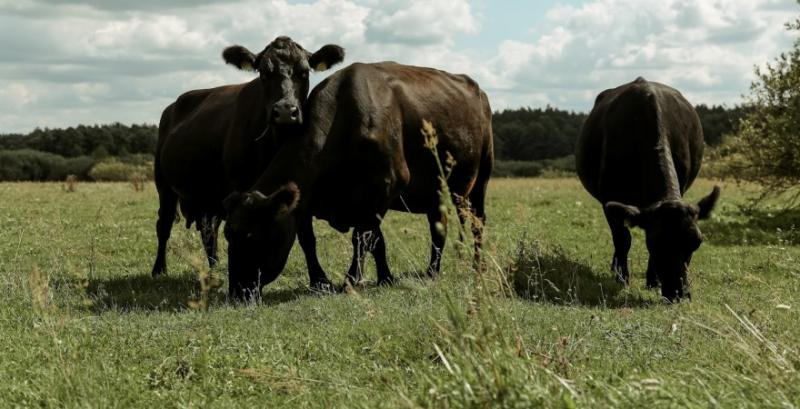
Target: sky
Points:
(70, 62)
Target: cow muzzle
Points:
(675, 287)
(286, 113)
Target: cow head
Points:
(672, 237)
(258, 228)
(284, 67)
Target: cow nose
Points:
(285, 113)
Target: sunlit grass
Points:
(83, 324)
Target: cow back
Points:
(641, 143)
(373, 154)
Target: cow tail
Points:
(668, 164)
(166, 196)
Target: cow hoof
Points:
(387, 281)
(323, 287)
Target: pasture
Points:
(82, 324)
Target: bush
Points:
(114, 170)
(768, 138)
(31, 165)
(558, 167)
(79, 167)
(513, 168)
(138, 159)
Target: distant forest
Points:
(537, 134)
(521, 135)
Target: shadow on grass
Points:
(403, 281)
(754, 227)
(551, 276)
(168, 293)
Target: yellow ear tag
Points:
(321, 67)
(247, 66)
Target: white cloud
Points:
(419, 21)
(16, 96)
(87, 61)
(705, 48)
(154, 34)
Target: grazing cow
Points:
(214, 141)
(363, 153)
(639, 151)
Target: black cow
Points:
(362, 154)
(214, 141)
(639, 151)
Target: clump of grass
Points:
(41, 295)
(173, 370)
(71, 184)
(482, 363)
(455, 207)
(137, 180)
(208, 284)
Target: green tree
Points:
(769, 134)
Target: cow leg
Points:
(371, 241)
(438, 226)
(477, 199)
(378, 249)
(308, 242)
(463, 210)
(361, 240)
(209, 231)
(652, 274)
(622, 244)
(167, 208)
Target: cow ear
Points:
(326, 57)
(240, 57)
(707, 204)
(285, 200)
(630, 215)
(232, 201)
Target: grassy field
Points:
(83, 325)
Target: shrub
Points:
(27, 164)
(768, 138)
(558, 167)
(114, 170)
(513, 168)
(71, 184)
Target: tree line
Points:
(527, 134)
(96, 141)
(528, 139)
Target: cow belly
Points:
(200, 193)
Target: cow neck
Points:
(258, 127)
(293, 162)
(662, 177)
(299, 158)
(260, 133)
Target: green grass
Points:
(83, 325)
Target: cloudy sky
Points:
(67, 62)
